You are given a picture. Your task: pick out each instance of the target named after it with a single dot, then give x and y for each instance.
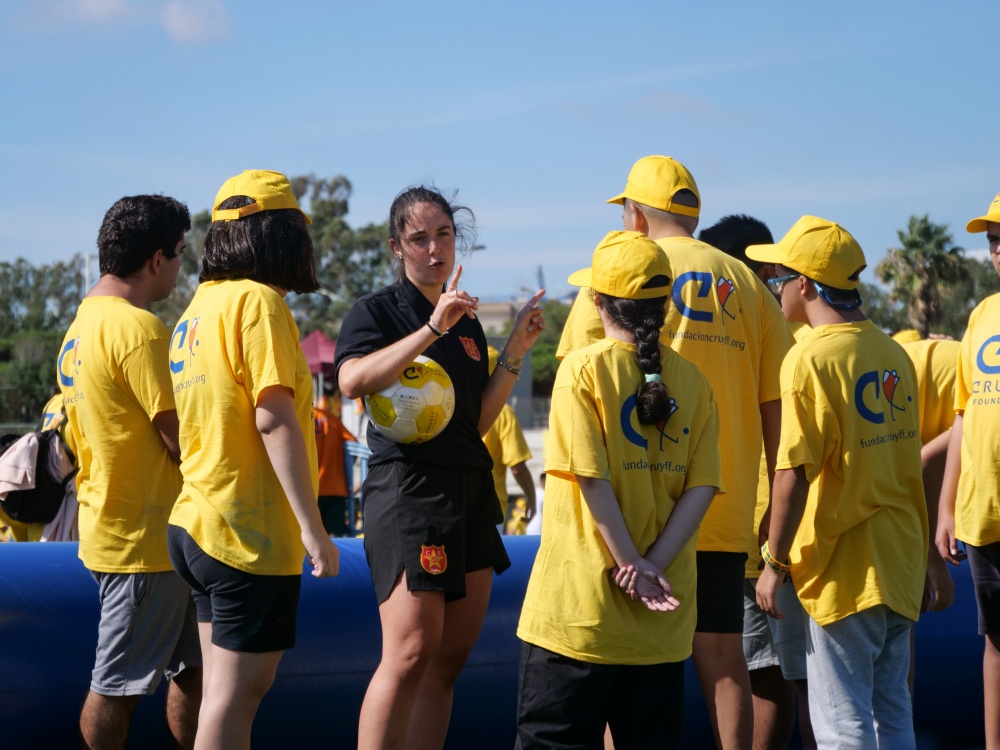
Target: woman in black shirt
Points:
(430, 509)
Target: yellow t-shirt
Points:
(572, 606)
(721, 318)
(753, 567)
(849, 418)
(936, 363)
(507, 446)
(112, 371)
(977, 398)
(235, 339)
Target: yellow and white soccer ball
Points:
(417, 406)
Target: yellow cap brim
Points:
(765, 253)
(583, 277)
(980, 224)
(619, 199)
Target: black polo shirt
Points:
(388, 315)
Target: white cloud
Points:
(185, 21)
(195, 20)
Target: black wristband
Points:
(435, 331)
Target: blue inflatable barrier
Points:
(48, 632)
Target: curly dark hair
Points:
(270, 247)
(135, 227)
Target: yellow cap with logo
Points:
(992, 214)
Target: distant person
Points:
(535, 524)
(848, 521)
(63, 528)
(112, 371)
(247, 512)
(722, 320)
(331, 436)
(970, 494)
(775, 650)
(633, 459)
(508, 448)
(430, 510)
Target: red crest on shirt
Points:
(470, 347)
(433, 559)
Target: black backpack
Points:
(40, 504)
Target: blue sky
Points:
(863, 113)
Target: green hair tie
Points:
(653, 377)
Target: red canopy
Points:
(319, 353)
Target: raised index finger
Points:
(453, 283)
(533, 302)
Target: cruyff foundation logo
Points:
(726, 289)
(886, 394)
(184, 342)
(988, 356)
(634, 436)
(433, 558)
(69, 362)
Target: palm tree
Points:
(922, 271)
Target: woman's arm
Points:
(286, 448)
(360, 376)
(528, 326)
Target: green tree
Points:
(921, 272)
(887, 315)
(349, 262)
(543, 354)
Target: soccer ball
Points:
(417, 406)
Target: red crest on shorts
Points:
(433, 559)
(470, 347)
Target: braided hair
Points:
(645, 317)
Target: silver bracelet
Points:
(435, 331)
(502, 360)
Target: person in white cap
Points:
(970, 495)
(848, 517)
(722, 319)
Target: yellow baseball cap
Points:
(992, 214)
(270, 190)
(655, 180)
(627, 265)
(819, 249)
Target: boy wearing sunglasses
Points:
(848, 519)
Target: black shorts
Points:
(564, 702)
(249, 613)
(720, 592)
(435, 523)
(984, 563)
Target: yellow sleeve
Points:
(270, 355)
(583, 325)
(576, 443)
(147, 375)
(513, 447)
